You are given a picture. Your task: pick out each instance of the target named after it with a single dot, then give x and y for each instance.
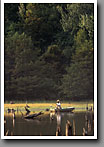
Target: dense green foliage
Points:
(49, 51)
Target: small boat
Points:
(68, 109)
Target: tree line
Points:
(49, 51)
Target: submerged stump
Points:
(68, 128)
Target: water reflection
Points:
(58, 128)
(58, 116)
(13, 123)
(52, 116)
(57, 124)
(89, 120)
(70, 124)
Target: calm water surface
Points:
(51, 125)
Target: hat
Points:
(58, 101)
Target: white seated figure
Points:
(58, 105)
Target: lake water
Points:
(77, 123)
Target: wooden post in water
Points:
(84, 132)
(73, 127)
(68, 128)
(58, 131)
(7, 132)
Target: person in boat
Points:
(58, 105)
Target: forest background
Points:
(49, 51)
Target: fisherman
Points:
(58, 105)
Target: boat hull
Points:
(68, 109)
